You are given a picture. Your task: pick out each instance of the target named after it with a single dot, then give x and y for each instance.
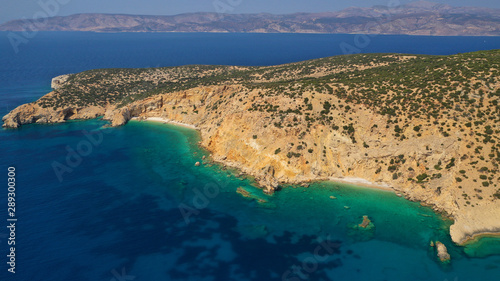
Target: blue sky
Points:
(15, 9)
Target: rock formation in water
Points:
(364, 231)
(367, 223)
(428, 126)
(442, 252)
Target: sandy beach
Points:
(347, 180)
(165, 120)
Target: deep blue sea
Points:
(135, 207)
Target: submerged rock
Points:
(197, 164)
(245, 193)
(366, 222)
(362, 232)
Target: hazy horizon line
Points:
(258, 13)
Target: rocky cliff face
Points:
(245, 140)
(295, 132)
(34, 113)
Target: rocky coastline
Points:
(240, 128)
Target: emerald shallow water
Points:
(401, 237)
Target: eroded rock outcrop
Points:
(34, 113)
(59, 81)
(442, 252)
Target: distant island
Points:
(427, 127)
(416, 18)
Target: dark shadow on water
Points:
(209, 246)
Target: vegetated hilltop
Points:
(416, 18)
(428, 126)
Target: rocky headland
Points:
(426, 126)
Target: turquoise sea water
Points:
(135, 206)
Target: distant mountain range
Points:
(416, 18)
